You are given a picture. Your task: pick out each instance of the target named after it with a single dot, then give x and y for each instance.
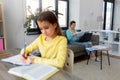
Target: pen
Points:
(24, 54)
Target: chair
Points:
(69, 61)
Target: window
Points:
(108, 14)
(60, 7)
(48, 4)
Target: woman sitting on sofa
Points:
(74, 38)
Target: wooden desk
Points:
(4, 75)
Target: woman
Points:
(51, 44)
(74, 38)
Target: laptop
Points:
(86, 37)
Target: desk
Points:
(4, 67)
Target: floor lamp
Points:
(99, 20)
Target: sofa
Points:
(80, 50)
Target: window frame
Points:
(105, 12)
(34, 31)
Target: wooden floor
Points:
(84, 57)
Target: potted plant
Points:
(30, 18)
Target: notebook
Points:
(30, 71)
(34, 71)
(86, 37)
(14, 60)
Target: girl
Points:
(51, 44)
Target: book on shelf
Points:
(34, 71)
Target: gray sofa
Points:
(77, 49)
(80, 50)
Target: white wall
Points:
(89, 11)
(85, 13)
(117, 15)
(74, 12)
(14, 19)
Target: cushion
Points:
(86, 37)
(64, 34)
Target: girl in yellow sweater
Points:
(51, 44)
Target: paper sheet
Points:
(14, 60)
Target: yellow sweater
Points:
(53, 52)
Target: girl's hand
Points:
(22, 59)
(30, 60)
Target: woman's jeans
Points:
(85, 44)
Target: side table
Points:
(100, 48)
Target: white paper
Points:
(80, 34)
(14, 60)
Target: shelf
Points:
(3, 44)
(114, 42)
(109, 31)
(105, 41)
(1, 37)
(110, 40)
(115, 53)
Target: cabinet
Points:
(111, 38)
(1, 43)
(2, 29)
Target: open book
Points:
(34, 71)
